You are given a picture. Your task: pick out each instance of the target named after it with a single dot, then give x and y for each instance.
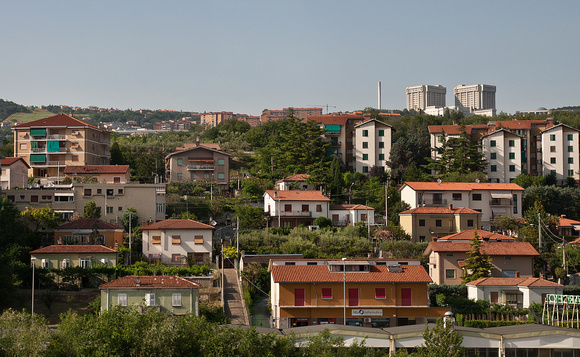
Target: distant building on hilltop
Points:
(300, 113)
(423, 96)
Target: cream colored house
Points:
(174, 241)
(347, 214)
(372, 145)
(510, 259)
(63, 256)
(424, 223)
(14, 172)
(560, 146)
(171, 294)
(295, 182)
(517, 292)
(291, 208)
(503, 153)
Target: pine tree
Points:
(478, 264)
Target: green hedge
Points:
(488, 323)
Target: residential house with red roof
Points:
(100, 173)
(369, 293)
(517, 292)
(171, 294)
(295, 182)
(50, 144)
(200, 162)
(14, 172)
(424, 223)
(63, 256)
(177, 241)
(89, 231)
(568, 227)
(343, 215)
(509, 258)
(491, 199)
(291, 208)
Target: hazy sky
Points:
(245, 55)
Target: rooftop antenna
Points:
(379, 95)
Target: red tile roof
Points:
(454, 129)
(73, 249)
(349, 207)
(440, 210)
(148, 282)
(517, 124)
(489, 248)
(87, 223)
(57, 120)
(297, 195)
(321, 274)
(567, 222)
(532, 282)
(96, 169)
(462, 186)
(297, 177)
(177, 224)
(335, 118)
(11, 160)
(469, 234)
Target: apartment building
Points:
(476, 99)
(491, 199)
(369, 293)
(372, 145)
(426, 223)
(199, 162)
(299, 113)
(503, 153)
(560, 148)
(209, 120)
(423, 96)
(52, 143)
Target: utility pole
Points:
(539, 233)
(387, 201)
(130, 238)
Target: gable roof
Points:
(177, 224)
(440, 210)
(502, 131)
(95, 169)
(57, 120)
(567, 222)
(215, 146)
(375, 121)
(11, 160)
(454, 129)
(469, 234)
(321, 274)
(297, 177)
(87, 223)
(516, 123)
(558, 126)
(530, 282)
(489, 248)
(296, 195)
(73, 249)
(197, 147)
(150, 282)
(335, 118)
(461, 186)
(349, 207)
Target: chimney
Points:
(451, 206)
(138, 281)
(549, 122)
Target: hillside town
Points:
(372, 223)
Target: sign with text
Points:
(367, 312)
(560, 299)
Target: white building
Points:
(423, 96)
(475, 97)
(503, 154)
(491, 199)
(560, 146)
(174, 241)
(372, 145)
(347, 214)
(518, 292)
(292, 208)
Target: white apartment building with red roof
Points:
(291, 208)
(491, 199)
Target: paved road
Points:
(233, 298)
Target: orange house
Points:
(351, 292)
(89, 231)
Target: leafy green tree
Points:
(457, 154)
(478, 265)
(22, 334)
(409, 152)
(44, 217)
(117, 157)
(441, 341)
(323, 222)
(91, 210)
(130, 215)
(250, 217)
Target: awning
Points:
(38, 132)
(498, 211)
(64, 211)
(501, 194)
(38, 158)
(67, 194)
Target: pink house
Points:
(102, 173)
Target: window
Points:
(512, 168)
(221, 176)
(512, 155)
(198, 240)
(65, 263)
(450, 273)
(99, 191)
(365, 169)
(470, 222)
(570, 160)
(176, 258)
(422, 239)
(150, 299)
(176, 239)
(552, 149)
(381, 156)
(75, 158)
(287, 208)
(380, 293)
(552, 160)
(85, 262)
(493, 156)
(365, 133)
(365, 156)
(45, 263)
(363, 217)
(511, 143)
(221, 162)
(493, 168)
(176, 299)
(381, 145)
(326, 293)
(492, 143)
(421, 223)
(456, 196)
(305, 208)
(571, 173)
(476, 196)
(116, 179)
(449, 254)
(381, 132)
(406, 297)
(570, 149)
(298, 297)
(110, 210)
(122, 299)
(88, 192)
(156, 240)
(179, 162)
(570, 137)
(120, 209)
(365, 145)
(552, 137)
(318, 208)
(110, 192)
(438, 223)
(552, 172)
(437, 198)
(507, 258)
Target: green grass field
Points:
(28, 117)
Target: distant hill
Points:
(8, 108)
(32, 115)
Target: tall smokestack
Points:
(379, 96)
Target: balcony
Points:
(337, 302)
(55, 137)
(48, 164)
(45, 151)
(200, 167)
(295, 214)
(433, 202)
(500, 202)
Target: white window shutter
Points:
(176, 299)
(122, 300)
(150, 299)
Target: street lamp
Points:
(33, 259)
(344, 288)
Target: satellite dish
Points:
(213, 223)
(477, 180)
(438, 180)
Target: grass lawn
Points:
(27, 117)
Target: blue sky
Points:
(245, 56)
